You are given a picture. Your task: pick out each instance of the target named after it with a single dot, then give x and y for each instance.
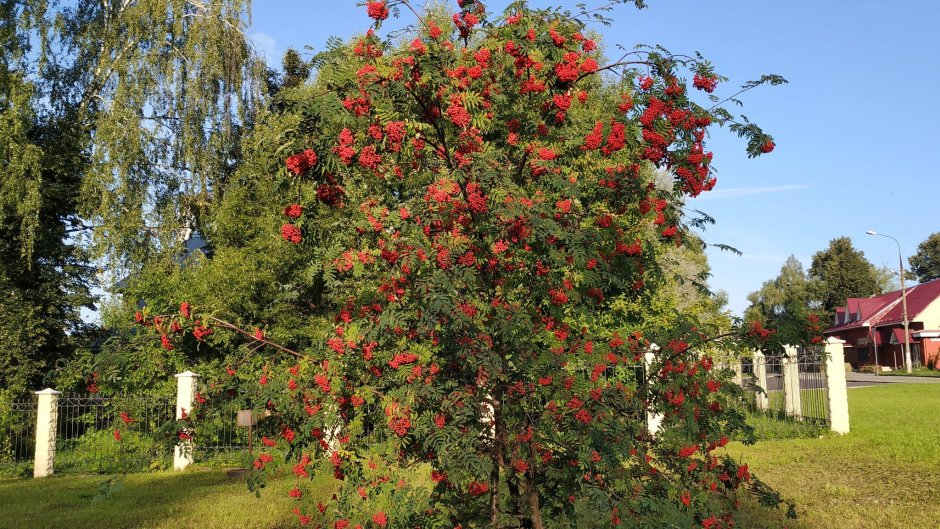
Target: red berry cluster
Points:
(377, 10)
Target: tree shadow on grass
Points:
(203, 499)
(752, 516)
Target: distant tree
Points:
(925, 264)
(786, 304)
(117, 122)
(887, 279)
(844, 272)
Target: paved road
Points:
(860, 380)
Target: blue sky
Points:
(856, 128)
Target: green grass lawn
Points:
(885, 474)
(203, 499)
(919, 372)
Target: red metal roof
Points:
(918, 297)
(898, 335)
(870, 309)
(886, 309)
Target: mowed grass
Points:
(884, 474)
(203, 499)
(919, 372)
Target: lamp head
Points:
(871, 232)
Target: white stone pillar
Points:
(791, 382)
(185, 390)
(838, 396)
(653, 420)
(47, 420)
(760, 378)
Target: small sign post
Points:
(247, 419)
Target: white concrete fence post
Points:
(838, 396)
(653, 420)
(791, 382)
(185, 391)
(47, 420)
(760, 378)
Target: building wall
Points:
(931, 347)
(930, 316)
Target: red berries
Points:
(201, 332)
(291, 233)
(300, 163)
(768, 146)
(294, 211)
(705, 82)
(478, 488)
(330, 194)
(377, 10)
(184, 309)
(458, 115)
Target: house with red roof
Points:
(873, 329)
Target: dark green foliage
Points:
(925, 264)
(116, 121)
(843, 273)
(785, 303)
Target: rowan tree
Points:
(456, 217)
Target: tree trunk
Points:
(532, 495)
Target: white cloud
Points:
(737, 192)
(265, 44)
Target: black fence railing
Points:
(113, 434)
(786, 397)
(17, 436)
(110, 434)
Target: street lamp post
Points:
(907, 339)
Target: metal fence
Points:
(110, 434)
(789, 389)
(17, 436)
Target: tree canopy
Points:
(118, 120)
(789, 306)
(925, 264)
(843, 272)
(450, 235)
